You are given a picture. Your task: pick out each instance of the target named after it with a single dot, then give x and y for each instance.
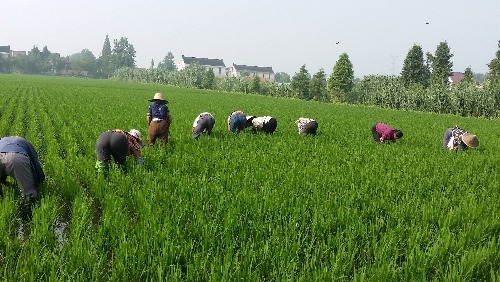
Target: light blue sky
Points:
(284, 35)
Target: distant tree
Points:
(300, 84)
(415, 70)
(255, 86)
(282, 77)
(468, 76)
(5, 64)
(152, 64)
(104, 61)
(208, 79)
(441, 64)
(341, 81)
(84, 61)
(168, 62)
(123, 54)
(494, 65)
(318, 87)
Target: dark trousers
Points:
(311, 127)
(270, 126)
(112, 144)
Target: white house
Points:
(217, 65)
(265, 73)
(5, 51)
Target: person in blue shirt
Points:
(237, 121)
(159, 120)
(19, 160)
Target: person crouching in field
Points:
(19, 160)
(236, 121)
(306, 126)
(382, 132)
(203, 123)
(118, 144)
(265, 124)
(159, 120)
(456, 138)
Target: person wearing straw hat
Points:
(306, 126)
(118, 144)
(203, 123)
(19, 160)
(456, 138)
(266, 124)
(159, 120)
(382, 132)
(236, 121)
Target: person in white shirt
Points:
(203, 123)
(266, 124)
(306, 126)
(456, 138)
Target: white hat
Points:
(158, 97)
(137, 135)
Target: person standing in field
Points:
(266, 124)
(159, 120)
(118, 144)
(236, 121)
(203, 123)
(456, 138)
(306, 126)
(382, 132)
(19, 160)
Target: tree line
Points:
(422, 84)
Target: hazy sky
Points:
(284, 35)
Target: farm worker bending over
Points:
(306, 126)
(118, 144)
(382, 132)
(265, 124)
(456, 138)
(19, 160)
(236, 121)
(203, 123)
(159, 120)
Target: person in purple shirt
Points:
(382, 132)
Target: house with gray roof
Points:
(265, 73)
(217, 65)
(5, 51)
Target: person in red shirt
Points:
(382, 132)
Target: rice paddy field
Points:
(251, 207)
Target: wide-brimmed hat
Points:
(158, 98)
(470, 140)
(137, 135)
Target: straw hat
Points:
(470, 140)
(158, 97)
(137, 135)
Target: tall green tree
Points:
(168, 62)
(208, 79)
(341, 81)
(468, 76)
(255, 87)
(300, 84)
(318, 89)
(282, 77)
(104, 61)
(494, 65)
(441, 65)
(123, 54)
(84, 61)
(415, 70)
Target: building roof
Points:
(456, 77)
(5, 49)
(204, 61)
(253, 68)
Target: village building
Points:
(217, 65)
(265, 73)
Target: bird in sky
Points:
(337, 43)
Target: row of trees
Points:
(423, 84)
